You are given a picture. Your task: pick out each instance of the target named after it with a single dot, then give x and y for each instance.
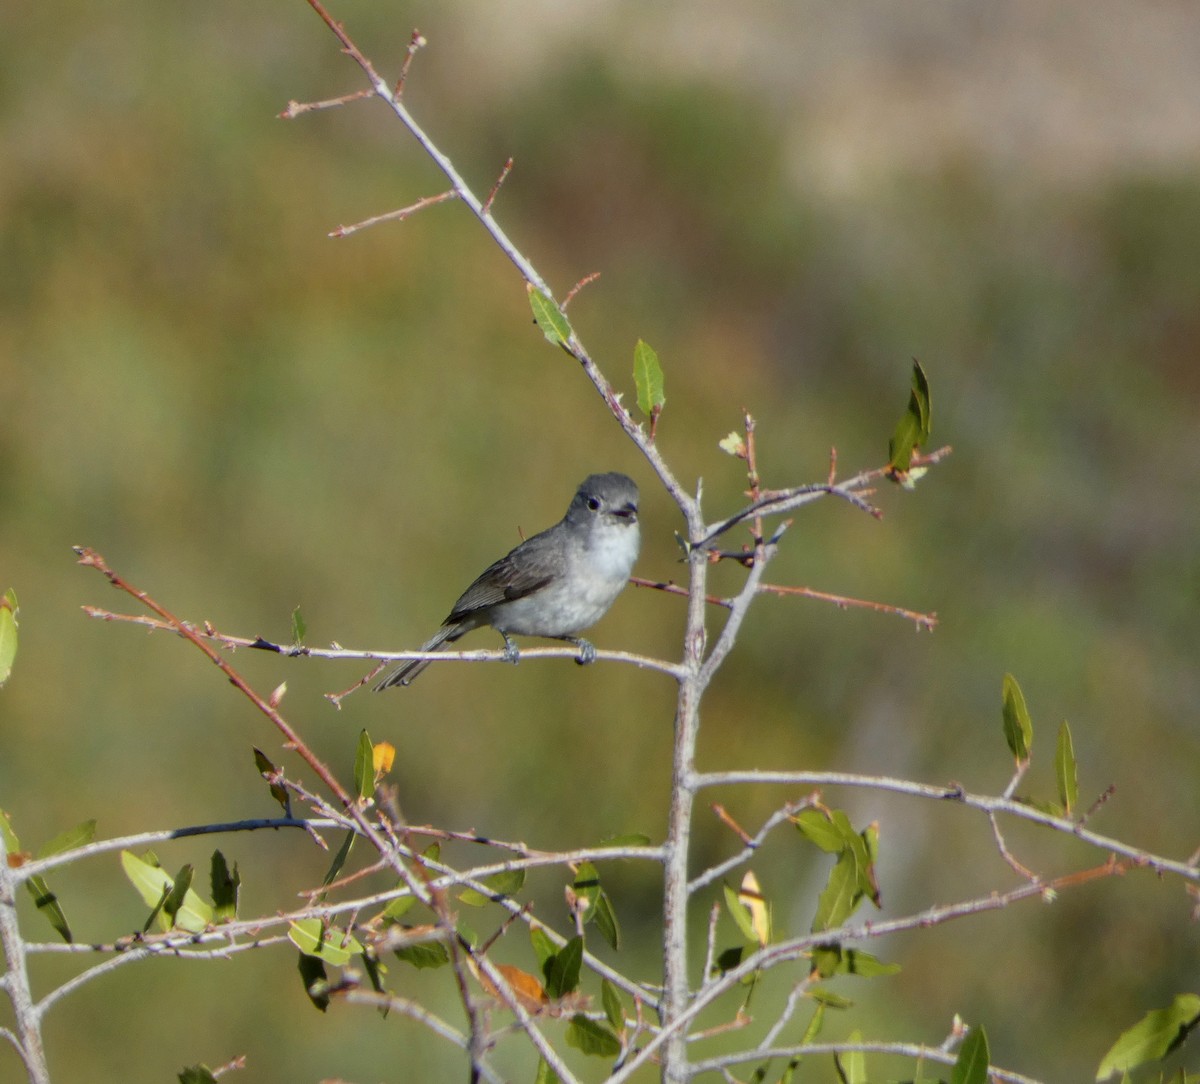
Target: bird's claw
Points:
(512, 653)
(587, 653)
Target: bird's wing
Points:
(527, 569)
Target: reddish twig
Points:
(487, 203)
(295, 109)
(395, 216)
(91, 559)
(842, 602)
(723, 816)
(585, 281)
(921, 620)
(416, 42)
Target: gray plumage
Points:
(555, 584)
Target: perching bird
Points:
(555, 584)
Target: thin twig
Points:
(491, 197)
(295, 109)
(908, 1050)
(416, 42)
(985, 803)
(190, 630)
(395, 216)
(773, 954)
(752, 844)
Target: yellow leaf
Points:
(751, 897)
(383, 754)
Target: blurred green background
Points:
(788, 201)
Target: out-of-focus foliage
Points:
(245, 416)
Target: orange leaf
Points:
(383, 754)
(527, 990)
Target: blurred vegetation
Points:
(244, 416)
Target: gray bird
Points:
(555, 584)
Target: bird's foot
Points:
(512, 653)
(587, 653)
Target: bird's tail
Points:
(405, 672)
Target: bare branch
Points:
(394, 216)
(295, 109)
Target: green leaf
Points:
(155, 886)
(840, 895)
(364, 766)
(397, 909)
(545, 1075)
(70, 839)
(729, 958)
(852, 1066)
(586, 887)
(8, 633)
(47, 903)
(11, 844)
(196, 1074)
(592, 1038)
(1018, 727)
(375, 972)
(562, 969)
(826, 960)
(866, 966)
(818, 827)
(614, 1011)
(46, 900)
(1065, 771)
(829, 999)
(182, 885)
(648, 377)
(225, 887)
(299, 628)
(549, 317)
(266, 768)
(312, 937)
(912, 430)
(543, 947)
(339, 859)
(814, 1025)
(507, 883)
(316, 982)
(146, 875)
(971, 1065)
(629, 839)
(740, 914)
(426, 954)
(606, 920)
(1154, 1036)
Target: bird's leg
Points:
(512, 653)
(587, 653)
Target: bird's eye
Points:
(594, 503)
